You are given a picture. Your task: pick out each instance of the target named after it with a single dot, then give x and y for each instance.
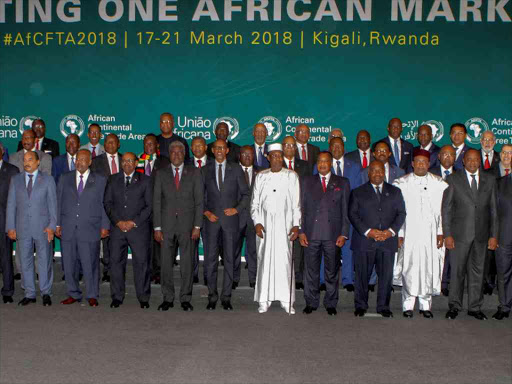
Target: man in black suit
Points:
(325, 226)
(401, 150)
(377, 212)
(470, 226)
(226, 196)
(107, 164)
(167, 136)
(6, 172)
(128, 204)
(490, 158)
(43, 144)
(458, 133)
(305, 151)
(177, 219)
(260, 133)
(425, 140)
(362, 155)
(222, 133)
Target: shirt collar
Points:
(130, 176)
(391, 140)
(470, 174)
(427, 148)
(380, 186)
(1, 163)
(203, 159)
(249, 168)
(223, 163)
(85, 175)
(110, 156)
(35, 173)
(180, 168)
(69, 155)
(444, 169)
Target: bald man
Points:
(167, 136)
(490, 158)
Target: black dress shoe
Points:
(246, 266)
(165, 306)
(196, 280)
(47, 301)
(445, 292)
(252, 285)
(106, 277)
(427, 314)
(299, 286)
(488, 289)
(186, 306)
(452, 314)
(332, 311)
(385, 313)
(234, 285)
(408, 314)
(17, 276)
(8, 300)
(479, 315)
(26, 301)
(308, 310)
(500, 315)
(211, 306)
(144, 305)
(359, 312)
(115, 303)
(80, 277)
(227, 306)
(349, 287)
(322, 287)
(63, 277)
(371, 287)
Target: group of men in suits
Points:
(166, 200)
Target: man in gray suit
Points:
(177, 218)
(470, 226)
(94, 146)
(28, 141)
(31, 220)
(81, 223)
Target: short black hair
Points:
(325, 153)
(374, 145)
(150, 135)
(454, 125)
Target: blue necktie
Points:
(396, 153)
(446, 173)
(81, 185)
(338, 168)
(260, 157)
(29, 186)
(72, 167)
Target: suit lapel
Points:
(89, 184)
(466, 184)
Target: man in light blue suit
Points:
(32, 220)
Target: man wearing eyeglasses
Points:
(490, 158)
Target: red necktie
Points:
(290, 166)
(199, 163)
(365, 160)
(507, 172)
(487, 165)
(93, 152)
(177, 179)
(114, 165)
(304, 154)
(37, 144)
(324, 187)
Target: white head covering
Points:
(275, 147)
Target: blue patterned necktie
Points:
(81, 185)
(396, 153)
(260, 157)
(29, 186)
(72, 166)
(338, 168)
(446, 173)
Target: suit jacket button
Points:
(125, 206)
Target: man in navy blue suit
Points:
(259, 132)
(401, 150)
(377, 212)
(362, 155)
(81, 224)
(66, 162)
(458, 134)
(425, 140)
(325, 227)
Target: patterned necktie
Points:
(81, 185)
(324, 187)
(396, 153)
(304, 154)
(199, 163)
(260, 157)
(220, 177)
(177, 178)
(338, 168)
(446, 174)
(247, 176)
(72, 167)
(290, 165)
(93, 153)
(127, 181)
(487, 165)
(147, 171)
(114, 165)
(29, 186)
(365, 160)
(474, 187)
(379, 195)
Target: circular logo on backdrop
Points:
(26, 123)
(234, 127)
(437, 129)
(475, 127)
(72, 124)
(274, 128)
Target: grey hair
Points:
(177, 144)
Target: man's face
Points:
(447, 156)
(247, 156)
(220, 150)
(199, 148)
(128, 163)
(112, 144)
(177, 155)
(275, 159)
(30, 163)
(506, 156)
(302, 134)
(166, 124)
(72, 144)
(424, 135)
(337, 148)
(289, 147)
(83, 161)
(382, 153)
(150, 145)
(488, 141)
(28, 140)
(457, 135)
(472, 160)
(376, 173)
(421, 165)
(260, 134)
(395, 128)
(94, 134)
(222, 131)
(39, 128)
(323, 164)
(363, 140)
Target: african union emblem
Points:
(234, 127)
(437, 129)
(274, 128)
(72, 124)
(475, 127)
(26, 123)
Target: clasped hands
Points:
(159, 235)
(293, 234)
(379, 235)
(125, 226)
(303, 239)
(213, 218)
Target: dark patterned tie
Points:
(247, 178)
(127, 181)
(379, 195)
(474, 187)
(81, 185)
(29, 186)
(220, 177)
(338, 168)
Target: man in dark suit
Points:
(458, 133)
(490, 158)
(325, 227)
(401, 150)
(167, 136)
(470, 226)
(382, 152)
(362, 154)
(305, 151)
(28, 142)
(377, 212)
(259, 132)
(107, 164)
(226, 196)
(7, 171)
(128, 204)
(504, 166)
(222, 133)
(66, 162)
(81, 223)
(178, 199)
(425, 140)
(42, 143)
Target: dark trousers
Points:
(298, 261)
(168, 251)
(504, 272)
(445, 280)
(249, 235)
(196, 257)
(7, 265)
(106, 254)
(332, 263)
(490, 268)
(139, 244)
(214, 234)
(467, 261)
(155, 256)
(86, 254)
(383, 261)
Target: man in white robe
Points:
(276, 212)
(421, 236)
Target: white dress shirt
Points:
(180, 170)
(327, 178)
(116, 159)
(69, 157)
(458, 150)
(470, 179)
(287, 162)
(484, 156)
(399, 142)
(85, 176)
(203, 161)
(299, 148)
(427, 148)
(217, 171)
(443, 169)
(335, 165)
(249, 171)
(361, 155)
